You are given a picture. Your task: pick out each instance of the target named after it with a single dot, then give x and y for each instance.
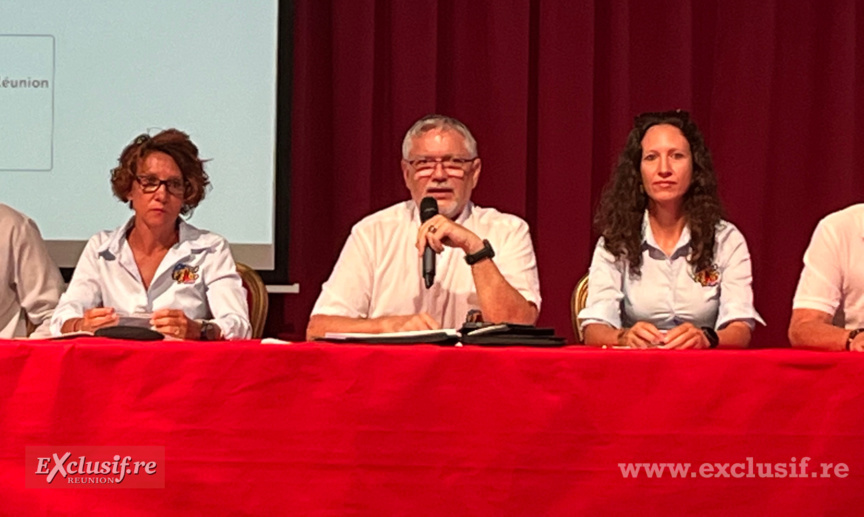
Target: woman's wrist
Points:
(710, 336)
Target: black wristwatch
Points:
(852, 337)
(484, 253)
(711, 335)
(208, 330)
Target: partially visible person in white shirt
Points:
(668, 271)
(31, 283)
(828, 308)
(156, 264)
(485, 258)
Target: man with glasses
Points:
(485, 258)
(30, 283)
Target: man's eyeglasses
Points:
(453, 167)
(150, 184)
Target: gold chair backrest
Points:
(578, 300)
(256, 297)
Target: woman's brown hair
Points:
(624, 201)
(180, 148)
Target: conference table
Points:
(254, 428)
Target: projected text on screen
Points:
(26, 102)
(80, 79)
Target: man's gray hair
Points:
(439, 122)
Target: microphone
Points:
(428, 210)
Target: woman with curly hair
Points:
(157, 268)
(668, 271)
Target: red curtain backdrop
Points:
(549, 89)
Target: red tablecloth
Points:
(316, 429)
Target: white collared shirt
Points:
(197, 275)
(29, 279)
(378, 271)
(832, 280)
(668, 293)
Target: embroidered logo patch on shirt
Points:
(185, 274)
(708, 277)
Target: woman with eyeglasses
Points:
(668, 271)
(178, 279)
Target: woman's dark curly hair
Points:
(175, 144)
(623, 203)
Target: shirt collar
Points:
(648, 236)
(190, 238)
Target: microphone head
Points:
(428, 209)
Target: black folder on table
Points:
(510, 334)
(130, 333)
